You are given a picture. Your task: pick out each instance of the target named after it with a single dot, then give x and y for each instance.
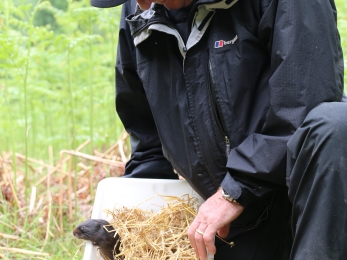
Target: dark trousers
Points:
(312, 224)
(270, 239)
(317, 180)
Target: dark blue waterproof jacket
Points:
(221, 107)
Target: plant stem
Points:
(91, 106)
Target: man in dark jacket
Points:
(243, 99)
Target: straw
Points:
(155, 236)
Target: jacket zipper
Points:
(216, 108)
(222, 127)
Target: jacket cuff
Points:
(237, 191)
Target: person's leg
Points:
(317, 180)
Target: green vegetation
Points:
(57, 79)
(342, 25)
(56, 92)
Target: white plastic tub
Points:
(117, 192)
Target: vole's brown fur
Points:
(94, 230)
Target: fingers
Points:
(200, 244)
(209, 237)
(214, 215)
(196, 238)
(223, 232)
(202, 238)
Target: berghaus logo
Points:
(221, 43)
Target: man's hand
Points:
(214, 216)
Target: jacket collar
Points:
(142, 23)
(157, 13)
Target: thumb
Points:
(223, 232)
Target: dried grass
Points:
(156, 235)
(54, 199)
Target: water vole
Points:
(94, 230)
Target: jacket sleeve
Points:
(306, 70)
(147, 160)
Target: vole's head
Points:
(94, 231)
